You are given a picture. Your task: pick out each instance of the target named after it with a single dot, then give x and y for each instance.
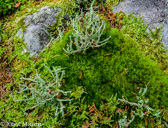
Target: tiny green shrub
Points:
(78, 93)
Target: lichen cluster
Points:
(122, 83)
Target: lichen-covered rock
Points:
(154, 12)
(35, 34)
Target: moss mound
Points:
(129, 61)
(117, 67)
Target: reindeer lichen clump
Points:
(86, 33)
(45, 93)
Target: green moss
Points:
(165, 115)
(12, 111)
(112, 2)
(110, 69)
(67, 6)
(1, 51)
(149, 43)
(21, 25)
(119, 67)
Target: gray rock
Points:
(154, 12)
(35, 34)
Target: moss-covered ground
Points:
(131, 60)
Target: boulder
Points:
(36, 36)
(154, 12)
